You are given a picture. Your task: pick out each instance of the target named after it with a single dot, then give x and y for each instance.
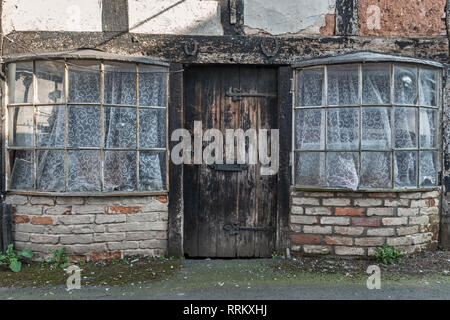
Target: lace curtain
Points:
(120, 132)
(343, 127)
(84, 131)
(50, 174)
(376, 128)
(382, 128)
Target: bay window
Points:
(86, 126)
(366, 126)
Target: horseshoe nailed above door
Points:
(194, 50)
(267, 52)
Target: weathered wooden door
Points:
(230, 211)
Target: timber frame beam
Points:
(227, 49)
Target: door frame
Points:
(176, 198)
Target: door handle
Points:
(228, 167)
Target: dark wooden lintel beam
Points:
(115, 15)
(225, 49)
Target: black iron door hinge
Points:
(237, 95)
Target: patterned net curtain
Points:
(86, 142)
(354, 129)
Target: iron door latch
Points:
(237, 95)
(228, 167)
(234, 227)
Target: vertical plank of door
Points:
(191, 183)
(208, 197)
(228, 184)
(248, 206)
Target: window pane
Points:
(22, 173)
(428, 161)
(152, 86)
(343, 128)
(376, 170)
(376, 128)
(376, 84)
(429, 84)
(310, 129)
(50, 81)
(84, 170)
(84, 126)
(50, 126)
(20, 82)
(343, 85)
(152, 171)
(51, 175)
(120, 171)
(310, 87)
(84, 82)
(405, 84)
(342, 170)
(405, 127)
(405, 164)
(428, 128)
(152, 128)
(310, 169)
(20, 127)
(120, 84)
(119, 127)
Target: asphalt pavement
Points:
(249, 279)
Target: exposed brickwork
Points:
(162, 199)
(401, 17)
(349, 212)
(330, 24)
(301, 239)
(91, 228)
(354, 224)
(21, 219)
(42, 220)
(123, 209)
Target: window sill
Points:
(87, 194)
(298, 188)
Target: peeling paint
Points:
(402, 17)
(192, 17)
(330, 25)
(51, 15)
(286, 17)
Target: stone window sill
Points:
(298, 188)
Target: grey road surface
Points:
(249, 279)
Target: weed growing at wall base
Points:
(11, 259)
(388, 254)
(59, 259)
